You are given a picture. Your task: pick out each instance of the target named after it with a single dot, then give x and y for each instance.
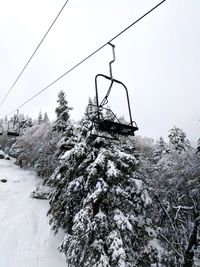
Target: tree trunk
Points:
(189, 253)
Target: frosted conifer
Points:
(178, 139)
(62, 112)
(40, 119)
(45, 118)
(160, 149)
(102, 204)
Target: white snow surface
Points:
(25, 236)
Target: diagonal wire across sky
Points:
(33, 54)
(80, 62)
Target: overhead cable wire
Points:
(33, 54)
(89, 56)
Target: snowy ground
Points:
(25, 236)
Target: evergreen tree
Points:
(101, 203)
(45, 118)
(62, 112)
(91, 110)
(40, 119)
(68, 140)
(178, 139)
(161, 149)
(109, 115)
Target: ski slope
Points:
(25, 236)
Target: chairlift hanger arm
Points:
(112, 61)
(105, 100)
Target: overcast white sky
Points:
(158, 59)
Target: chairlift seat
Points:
(117, 128)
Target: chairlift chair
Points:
(15, 129)
(104, 124)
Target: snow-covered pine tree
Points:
(91, 111)
(62, 112)
(45, 118)
(109, 115)
(40, 119)
(101, 203)
(69, 139)
(178, 140)
(160, 149)
(61, 141)
(89, 108)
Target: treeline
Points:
(121, 203)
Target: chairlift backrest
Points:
(104, 100)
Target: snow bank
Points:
(25, 236)
(3, 155)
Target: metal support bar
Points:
(105, 100)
